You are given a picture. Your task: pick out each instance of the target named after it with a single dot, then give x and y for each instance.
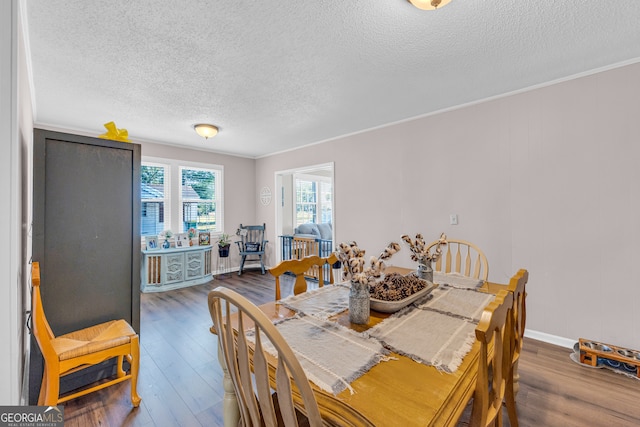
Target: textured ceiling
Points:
(274, 75)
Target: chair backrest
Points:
(251, 238)
(517, 287)
(41, 329)
(460, 256)
(241, 357)
(494, 328)
(300, 268)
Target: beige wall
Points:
(545, 180)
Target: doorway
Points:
(303, 195)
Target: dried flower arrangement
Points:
(419, 251)
(352, 257)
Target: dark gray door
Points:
(86, 236)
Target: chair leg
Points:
(43, 387)
(135, 366)
(262, 264)
(242, 259)
(510, 400)
(50, 388)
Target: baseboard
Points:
(551, 339)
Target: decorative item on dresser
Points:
(166, 235)
(204, 238)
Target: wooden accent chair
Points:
(252, 243)
(300, 268)
(80, 349)
(256, 404)
(494, 362)
(517, 287)
(473, 265)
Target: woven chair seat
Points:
(93, 339)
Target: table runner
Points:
(321, 303)
(331, 355)
(464, 303)
(439, 332)
(456, 280)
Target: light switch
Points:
(453, 219)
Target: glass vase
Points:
(359, 303)
(425, 271)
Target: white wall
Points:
(544, 180)
(12, 121)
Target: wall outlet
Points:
(453, 219)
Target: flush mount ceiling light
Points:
(429, 4)
(206, 131)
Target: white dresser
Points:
(173, 268)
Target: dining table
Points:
(399, 391)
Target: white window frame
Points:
(319, 202)
(217, 200)
(173, 193)
(167, 191)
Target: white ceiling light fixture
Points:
(206, 131)
(429, 4)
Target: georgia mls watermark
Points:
(31, 416)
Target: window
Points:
(154, 194)
(313, 199)
(199, 199)
(306, 201)
(177, 196)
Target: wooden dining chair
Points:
(72, 352)
(300, 269)
(517, 287)
(256, 404)
(494, 361)
(462, 257)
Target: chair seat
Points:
(93, 339)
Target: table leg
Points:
(230, 409)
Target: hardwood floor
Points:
(180, 379)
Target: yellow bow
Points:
(114, 133)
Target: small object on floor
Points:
(594, 354)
